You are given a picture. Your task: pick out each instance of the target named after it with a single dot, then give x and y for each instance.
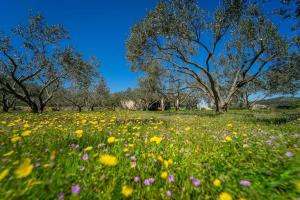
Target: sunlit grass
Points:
(140, 155)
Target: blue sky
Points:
(97, 27)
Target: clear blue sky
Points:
(97, 27)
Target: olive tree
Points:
(221, 52)
(34, 65)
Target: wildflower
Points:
(136, 179)
(169, 193)
(133, 164)
(229, 125)
(75, 189)
(89, 148)
(127, 190)
(149, 181)
(61, 196)
(195, 181)
(225, 196)
(108, 160)
(111, 140)
(133, 158)
(156, 139)
(3, 174)
(217, 183)
(78, 133)
(245, 183)
(85, 157)
(164, 175)
(15, 139)
(26, 133)
(228, 138)
(289, 154)
(171, 178)
(187, 129)
(24, 169)
(8, 154)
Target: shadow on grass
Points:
(276, 120)
(190, 113)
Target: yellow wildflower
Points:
(89, 148)
(127, 190)
(217, 183)
(8, 154)
(15, 139)
(156, 139)
(111, 140)
(228, 138)
(3, 174)
(187, 129)
(108, 160)
(26, 133)
(24, 169)
(164, 175)
(78, 133)
(225, 196)
(229, 125)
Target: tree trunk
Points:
(34, 108)
(92, 108)
(177, 104)
(5, 105)
(79, 108)
(162, 104)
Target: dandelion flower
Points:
(79, 133)
(108, 160)
(225, 196)
(111, 140)
(156, 139)
(3, 174)
(217, 183)
(164, 175)
(24, 169)
(127, 190)
(26, 133)
(228, 138)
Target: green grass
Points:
(256, 153)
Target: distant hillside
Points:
(282, 102)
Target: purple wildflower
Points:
(149, 181)
(169, 193)
(136, 179)
(133, 158)
(289, 154)
(75, 189)
(61, 196)
(195, 181)
(171, 178)
(85, 157)
(245, 183)
(37, 164)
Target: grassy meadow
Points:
(150, 155)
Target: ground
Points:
(150, 155)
